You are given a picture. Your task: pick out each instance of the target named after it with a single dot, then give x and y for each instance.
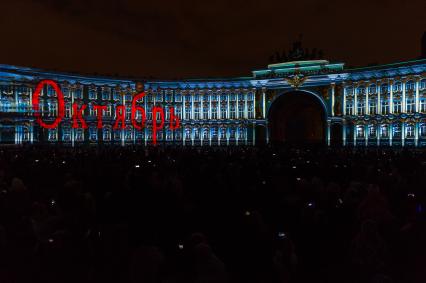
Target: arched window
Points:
(384, 88)
(384, 131)
(106, 135)
(372, 131)
(53, 134)
(79, 135)
(409, 130)
(372, 89)
(93, 133)
(360, 131)
(423, 84)
(66, 133)
(397, 131)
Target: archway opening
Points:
(297, 118)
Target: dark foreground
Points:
(212, 215)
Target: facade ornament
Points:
(296, 80)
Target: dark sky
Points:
(196, 38)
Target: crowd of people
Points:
(229, 214)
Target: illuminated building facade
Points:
(305, 100)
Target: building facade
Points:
(373, 106)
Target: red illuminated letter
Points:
(99, 112)
(174, 120)
(78, 115)
(120, 112)
(140, 109)
(156, 127)
(61, 107)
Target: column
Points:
(354, 132)
(344, 133)
(237, 101)
(403, 133)
(254, 134)
(210, 106)
(379, 102)
(391, 96)
(403, 105)
(267, 134)
(355, 108)
(367, 107)
(228, 113)
(417, 95)
(344, 99)
(366, 134)
(201, 106)
(263, 103)
(192, 106)
(328, 132)
(378, 126)
(210, 136)
(333, 86)
(390, 133)
(183, 106)
(122, 130)
(219, 104)
(245, 106)
(416, 134)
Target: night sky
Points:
(176, 39)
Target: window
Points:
(372, 89)
(397, 106)
(66, 134)
(106, 135)
(232, 111)
(385, 107)
(372, 131)
(397, 131)
(349, 90)
(251, 110)
(79, 135)
(241, 108)
(409, 131)
(222, 133)
(384, 88)
(187, 133)
(93, 133)
(423, 129)
(68, 110)
(214, 112)
(206, 111)
(361, 107)
(372, 107)
(53, 134)
(92, 94)
(349, 107)
(223, 111)
(410, 105)
(361, 90)
(423, 84)
(360, 131)
(384, 131)
(187, 113)
(106, 94)
(178, 97)
(205, 133)
(423, 104)
(196, 113)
